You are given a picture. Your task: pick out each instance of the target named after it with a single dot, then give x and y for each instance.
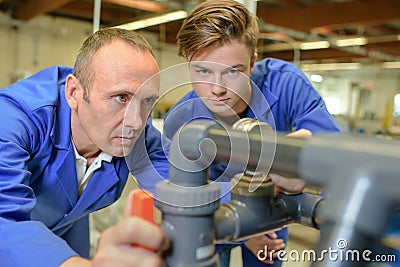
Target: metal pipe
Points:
(96, 15)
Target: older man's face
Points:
(121, 96)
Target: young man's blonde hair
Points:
(215, 22)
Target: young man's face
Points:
(220, 77)
(120, 99)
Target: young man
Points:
(63, 136)
(219, 40)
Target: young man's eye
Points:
(121, 98)
(233, 71)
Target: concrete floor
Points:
(300, 238)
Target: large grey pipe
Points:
(362, 178)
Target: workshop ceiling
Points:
(288, 26)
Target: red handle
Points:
(142, 206)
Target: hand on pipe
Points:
(302, 133)
(265, 247)
(290, 185)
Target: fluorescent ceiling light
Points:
(331, 66)
(316, 78)
(391, 65)
(352, 41)
(314, 45)
(143, 23)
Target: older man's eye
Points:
(203, 71)
(121, 98)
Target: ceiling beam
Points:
(316, 55)
(307, 17)
(84, 11)
(282, 2)
(33, 8)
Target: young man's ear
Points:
(72, 91)
(253, 61)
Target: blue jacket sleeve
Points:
(306, 108)
(298, 105)
(23, 242)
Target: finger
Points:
(260, 239)
(127, 256)
(272, 235)
(277, 190)
(292, 185)
(275, 254)
(274, 246)
(302, 133)
(135, 230)
(277, 247)
(273, 242)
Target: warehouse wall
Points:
(364, 97)
(26, 48)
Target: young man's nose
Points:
(218, 89)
